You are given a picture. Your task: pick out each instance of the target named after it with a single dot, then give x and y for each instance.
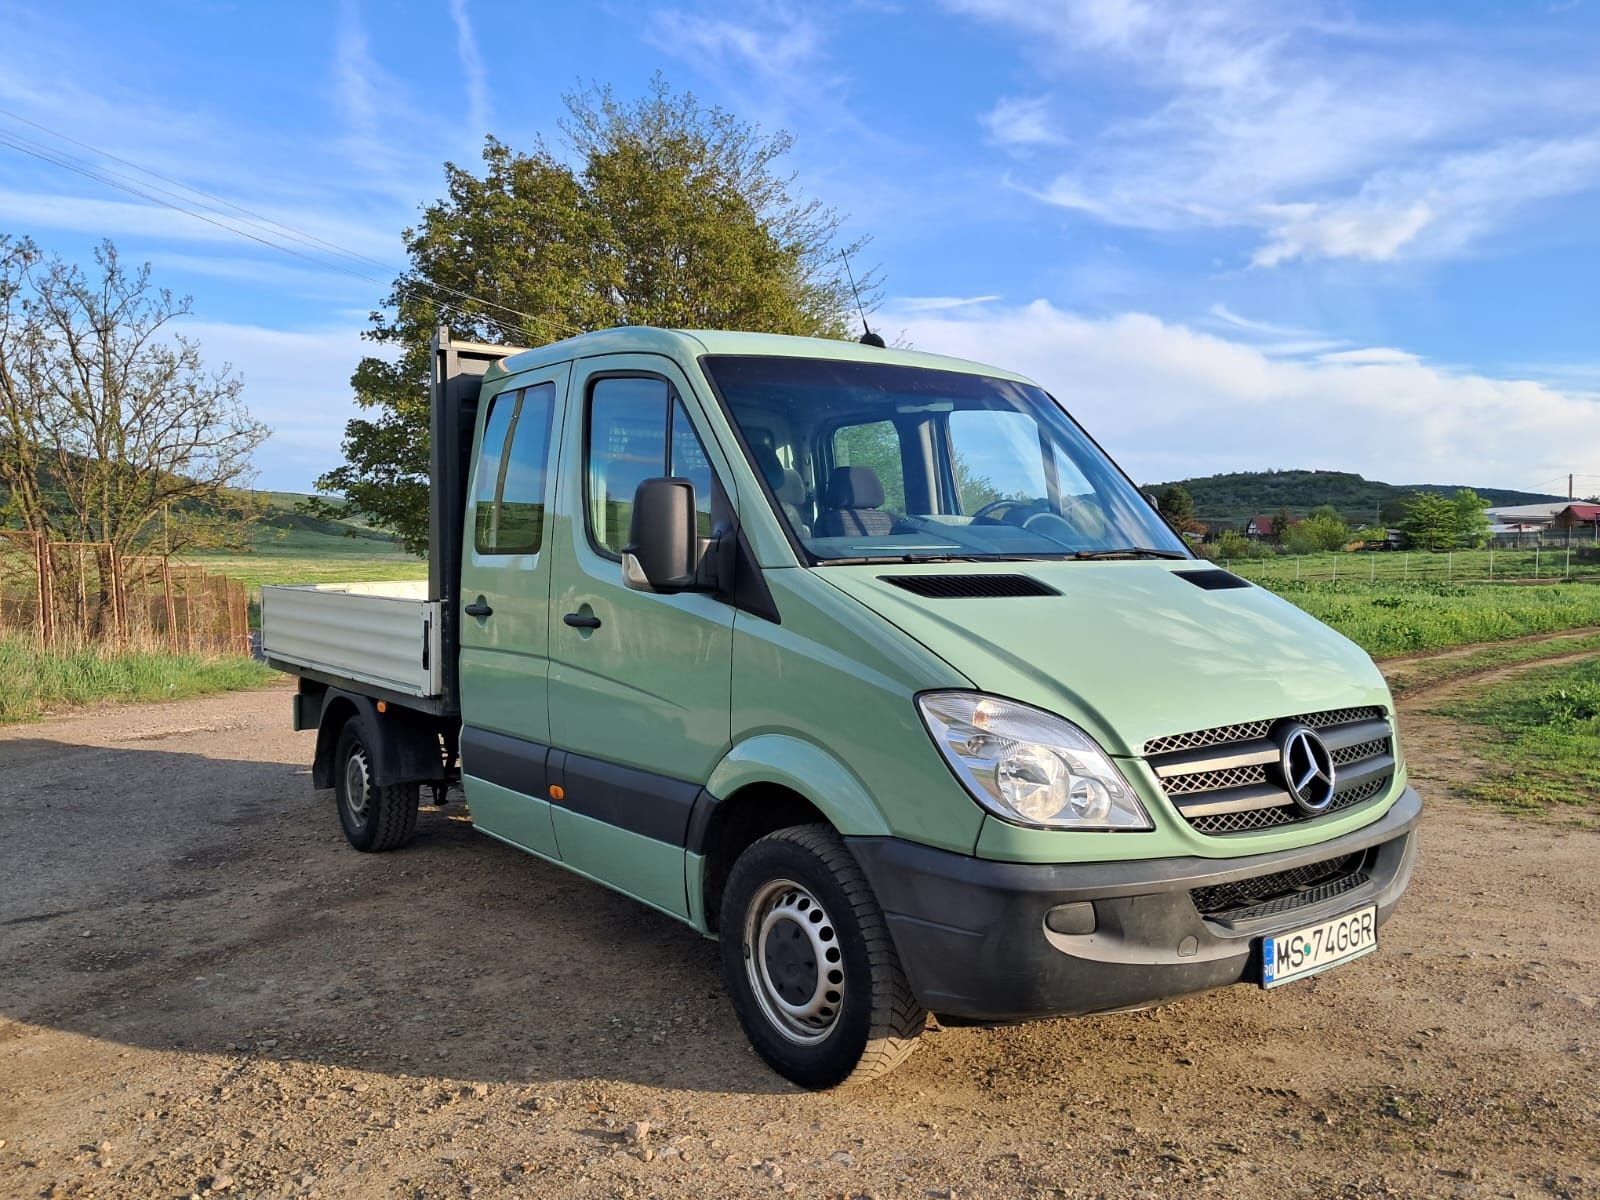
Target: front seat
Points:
(855, 505)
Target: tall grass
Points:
(34, 681)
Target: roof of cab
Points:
(692, 343)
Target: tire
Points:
(809, 964)
(374, 818)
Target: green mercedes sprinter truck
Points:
(871, 665)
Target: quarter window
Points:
(508, 507)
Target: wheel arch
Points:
(404, 744)
(767, 783)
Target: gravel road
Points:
(202, 989)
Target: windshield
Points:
(877, 461)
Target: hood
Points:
(1130, 650)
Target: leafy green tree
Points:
(1472, 522)
(1177, 506)
(1431, 521)
(1327, 511)
(662, 212)
(1281, 523)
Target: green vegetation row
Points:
(39, 681)
(1545, 565)
(1543, 728)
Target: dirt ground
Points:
(202, 988)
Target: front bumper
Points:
(972, 935)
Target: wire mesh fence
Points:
(1534, 564)
(72, 594)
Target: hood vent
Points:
(964, 587)
(1213, 579)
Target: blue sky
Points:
(1229, 236)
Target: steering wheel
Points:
(984, 513)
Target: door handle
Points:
(582, 620)
(478, 609)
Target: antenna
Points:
(868, 338)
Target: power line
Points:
(178, 203)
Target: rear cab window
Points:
(513, 462)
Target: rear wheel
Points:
(808, 960)
(374, 818)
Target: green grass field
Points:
(40, 681)
(1396, 617)
(1541, 729)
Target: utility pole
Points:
(1569, 487)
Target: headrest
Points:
(791, 489)
(855, 487)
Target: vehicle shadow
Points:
(173, 900)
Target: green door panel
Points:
(627, 862)
(649, 688)
(511, 816)
(505, 656)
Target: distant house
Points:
(1262, 527)
(1578, 517)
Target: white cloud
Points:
(471, 68)
(922, 304)
(1170, 401)
(1022, 122)
(1333, 138)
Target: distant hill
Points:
(281, 525)
(1232, 499)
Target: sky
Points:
(1227, 236)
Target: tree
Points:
(1281, 520)
(1177, 506)
(1326, 511)
(663, 213)
(112, 429)
(1472, 522)
(1431, 521)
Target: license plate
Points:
(1302, 952)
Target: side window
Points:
(629, 442)
(877, 446)
(508, 509)
(689, 461)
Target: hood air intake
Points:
(967, 587)
(1213, 579)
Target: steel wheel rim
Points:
(356, 782)
(794, 962)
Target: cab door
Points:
(505, 622)
(640, 697)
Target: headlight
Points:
(1028, 766)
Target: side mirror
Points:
(1153, 500)
(663, 547)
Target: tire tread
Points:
(897, 1019)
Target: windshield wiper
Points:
(1129, 552)
(881, 559)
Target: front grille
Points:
(1230, 779)
(1282, 891)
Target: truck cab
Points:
(873, 666)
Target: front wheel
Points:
(813, 974)
(374, 818)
